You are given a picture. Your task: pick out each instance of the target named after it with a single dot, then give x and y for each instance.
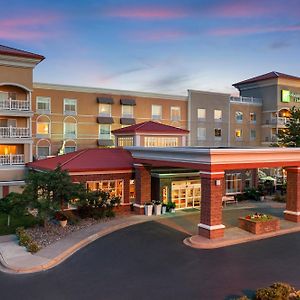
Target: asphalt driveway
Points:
(149, 261)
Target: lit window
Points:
(70, 130)
(104, 132)
(104, 110)
(43, 103)
(156, 112)
(161, 142)
(252, 134)
(125, 141)
(233, 183)
(253, 117)
(201, 113)
(201, 133)
(127, 111)
(175, 113)
(43, 128)
(239, 116)
(218, 115)
(43, 151)
(238, 134)
(70, 106)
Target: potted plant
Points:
(148, 208)
(171, 207)
(61, 218)
(163, 208)
(157, 208)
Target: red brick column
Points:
(212, 185)
(5, 190)
(142, 187)
(292, 212)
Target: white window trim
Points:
(218, 120)
(110, 135)
(122, 112)
(43, 110)
(110, 108)
(201, 118)
(36, 127)
(69, 112)
(201, 138)
(161, 112)
(70, 136)
(176, 108)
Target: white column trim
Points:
(213, 227)
(138, 205)
(212, 173)
(294, 213)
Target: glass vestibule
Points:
(186, 194)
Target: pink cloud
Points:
(252, 30)
(147, 13)
(34, 27)
(156, 36)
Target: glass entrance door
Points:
(186, 194)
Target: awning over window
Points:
(127, 121)
(105, 100)
(105, 120)
(105, 143)
(127, 101)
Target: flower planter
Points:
(259, 226)
(172, 210)
(63, 223)
(164, 209)
(157, 209)
(148, 210)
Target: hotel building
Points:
(39, 120)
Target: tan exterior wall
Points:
(19, 75)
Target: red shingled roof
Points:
(270, 75)
(4, 50)
(150, 127)
(87, 160)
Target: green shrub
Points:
(98, 214)
(24, 240)
(33, 247)
(20, 231)
(71, 217)
(279, 198)
(110, 213)
(277, 291)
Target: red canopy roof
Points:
(150, 127)
(4, 50)
(270, 75)
(98, 159)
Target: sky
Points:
(165, 46)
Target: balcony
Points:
(14, 132)
(250, 100)
(12, 159)
(15, 105)
(278, 121)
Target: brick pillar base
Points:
(5, 190)
(292, 212)
(211, 225)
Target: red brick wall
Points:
(142, 184)
(98, 177)
(293, 194)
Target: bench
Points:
(228, 199)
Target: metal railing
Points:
(14, 132)
(279, 120)
(20, 105)
(246, 100)
(12, 159)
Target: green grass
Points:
(26, 221)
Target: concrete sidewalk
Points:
(16, 259)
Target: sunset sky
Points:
(164, 46)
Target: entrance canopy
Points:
(217, 159)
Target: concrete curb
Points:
(197, 242)
(67, 253)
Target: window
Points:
(238, 134)
(233, 183)
(43, 151)
(217, 115)
(43, 128)
(70, 106)
(43, 104)
(161, 142)
(175, 113)
(104, 110)
(69, 149)
(70, 130)
(201, 133)
(156, 112)
(252, 134)
(248, 179)
(127, 111)
(218, 134)
(104, 132)
(239, 116)
(201, 113)
(125, 141)
(253, 117)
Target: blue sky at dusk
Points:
(160, 46)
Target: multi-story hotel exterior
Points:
(40, 120)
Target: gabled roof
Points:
(150, 127)
(4, 50)
(270, 75)
(87, 160)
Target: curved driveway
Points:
(149, 261)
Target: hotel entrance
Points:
(186, 194)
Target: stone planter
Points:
(148, 210)
(63, 223)
(164, 209)
(157, 209)
(259, 227)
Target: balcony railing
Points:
(279, 120)
(12, 159)
(246, 100)
(14, 132)
(16, 105)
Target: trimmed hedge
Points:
(26, 241)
